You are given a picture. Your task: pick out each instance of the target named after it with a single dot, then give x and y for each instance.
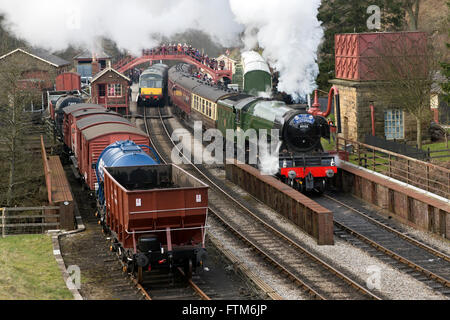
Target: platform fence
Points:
(421, 174)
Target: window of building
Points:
(394, 124)
(114, 90)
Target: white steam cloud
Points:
(290, 34)
(132, 24)
(288, 31)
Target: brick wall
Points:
(33, 68)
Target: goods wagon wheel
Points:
(188, 269)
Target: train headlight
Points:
(330, 173)
(292, 174)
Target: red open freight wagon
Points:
(157, 214)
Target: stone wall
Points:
(356, 121)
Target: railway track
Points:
(101, 272)
(99, 263)
(311, 274)
(374, 234)
(197, 287)
(160, 285)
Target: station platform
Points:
(58, 189)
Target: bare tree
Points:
(16, 96)
(412, 9)
(406, 68)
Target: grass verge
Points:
(28, 269)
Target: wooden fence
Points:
(29, 220)
(423, 175)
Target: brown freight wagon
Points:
(67, 121)
(79, 115)
(92, 121)
(157, 214)
(95, 139)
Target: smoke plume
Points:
(288, 31)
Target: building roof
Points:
(225, 57)
(86, 54)
(104, 71)
(110, 128)
(42, 55)
(438, 80)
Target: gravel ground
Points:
(264, 270)
(393, 284)
(390, 282)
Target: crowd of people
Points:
(179, 49)
(202, 76)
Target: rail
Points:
(424, 175)
(268, 227)
(194, 286)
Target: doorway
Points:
(102, 93)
